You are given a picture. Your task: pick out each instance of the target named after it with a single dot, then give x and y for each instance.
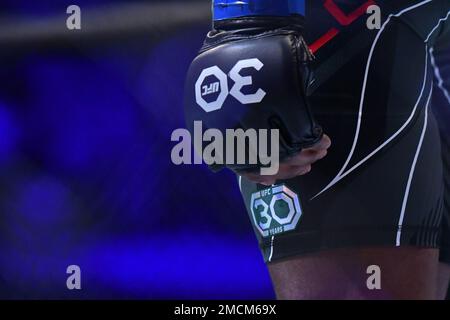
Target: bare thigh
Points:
(443, 280)
(405, 273)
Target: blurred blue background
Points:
(85, 172)
(86, 175)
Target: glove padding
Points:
(253, 73)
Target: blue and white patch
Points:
(275, 210)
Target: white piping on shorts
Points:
(411, 173)
(271, 249)
(413, 167)
(437, 74)
(342, 173)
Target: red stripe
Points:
(346, 19)
(327, 37)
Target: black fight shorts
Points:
(382, 95)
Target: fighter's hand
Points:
(297, 165)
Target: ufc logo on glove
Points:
(201, 90)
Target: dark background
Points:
(85, 171)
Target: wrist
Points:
(232, 9)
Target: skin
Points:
(406, 272)
(443, 280)
(298, 165)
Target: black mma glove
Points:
(253, 73)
